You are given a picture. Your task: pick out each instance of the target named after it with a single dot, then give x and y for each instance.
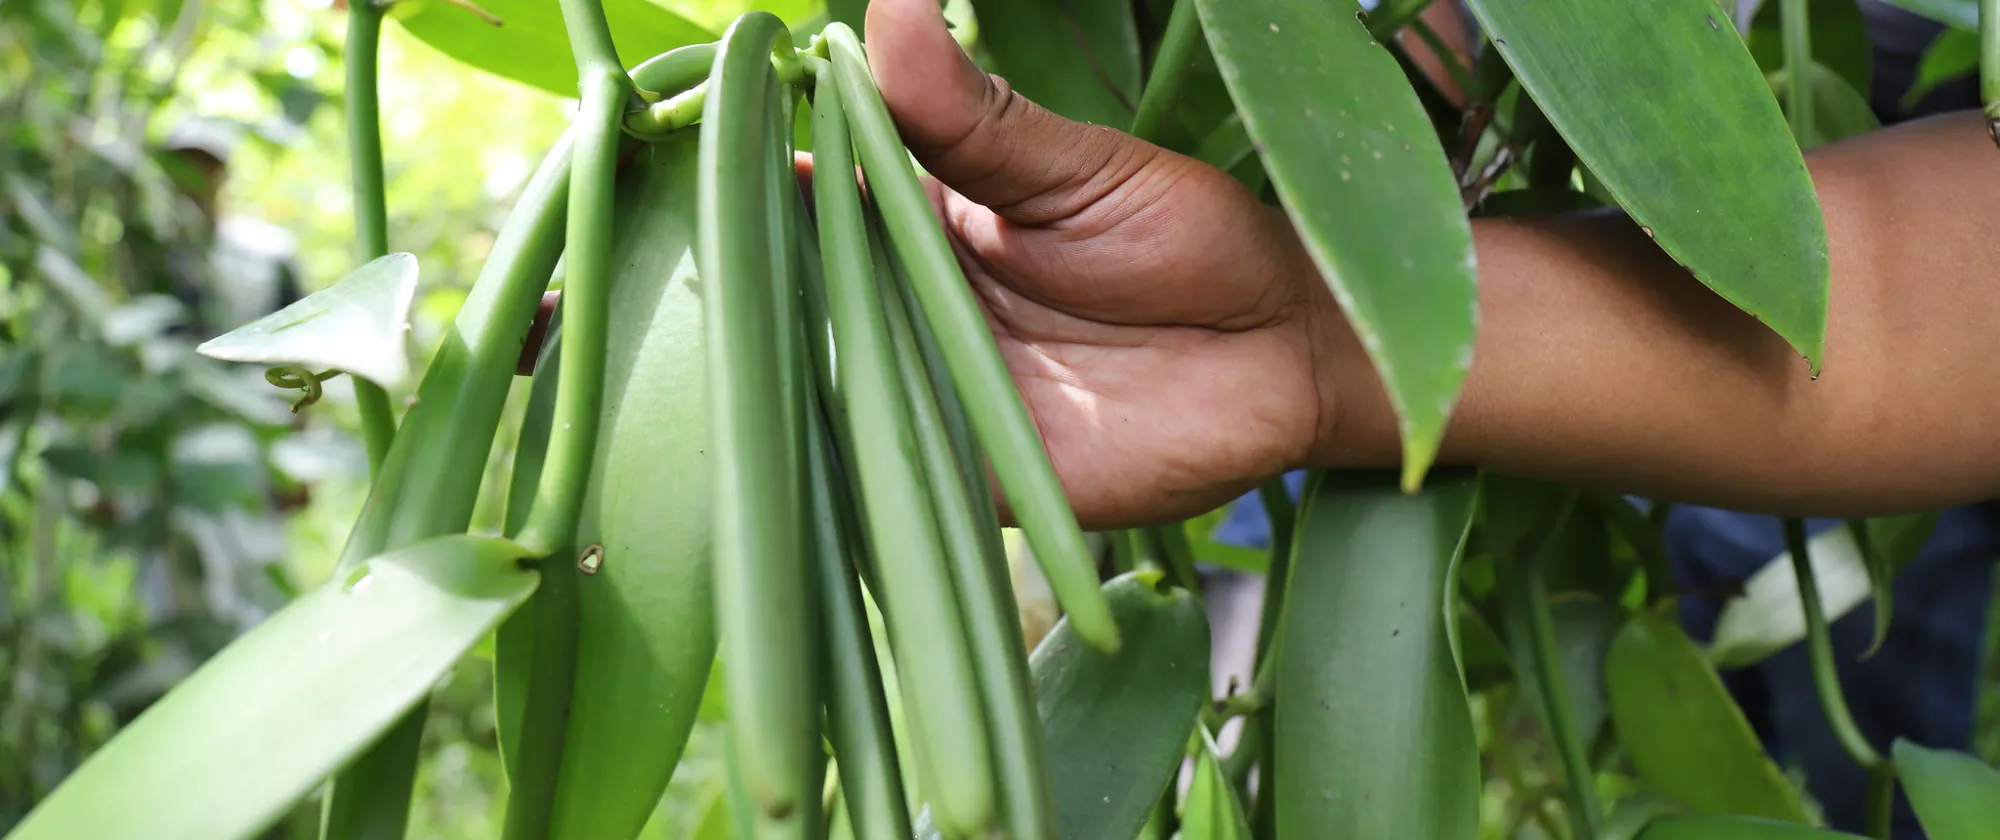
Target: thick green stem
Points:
(371, 209)
(1170, 72)
(1172, 542)
(1283, 516)
(1798, 69)
(1819, 650)
(1530, 600)
(1278, 507)
(590, 41)
(586, 316)
(1882, 801)
(545, 716)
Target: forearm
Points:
(1601, 362)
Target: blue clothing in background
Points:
(1922, 685)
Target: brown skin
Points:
(1176, 345)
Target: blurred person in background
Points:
(247, 267)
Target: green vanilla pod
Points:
(940, 689)
(757, 498)
(998, 416)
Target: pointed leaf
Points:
(1116, 727)
(1212, 811)
(1078, 58)
(1956, 797)
(1734, 828)
(1889, 544)
(1375, 733)
(1682, 732)
(526, 41)
(1357, 166)
(356, 325)
(1954, 55)
(1768, 617)
(259, 725)
(1662, 102)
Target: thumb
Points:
(979, 137)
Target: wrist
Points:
(1356, 426)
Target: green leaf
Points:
(1212, 811)
(357, 325)
(1362, 175)
(1954, 55)
(1889, 544)
(1839, 111)
(259, 725)
(1955, 796)
(1962, 14)
(1375, 733)
(1839, 40)
(1117, 726)
(1484, 657)
(525, 40)
(1682, 732)
(1733, 828)
(1768, 616)
(1078, 58)
(1583, 632)
(1663, 103)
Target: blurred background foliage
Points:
(154, 504)
(169, 168)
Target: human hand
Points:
(1168, 331)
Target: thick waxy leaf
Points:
(1683, 733)
(1734, 828)
(1839, 40)
(1666, 107)
(1078, 58)
(1212, 811)
(1955, 796)
(1375, 735)
(1768, 616)
(1117, 726)
(1888, 545)
(525, 40)
(1352, 155)
(356, 325)
(256, 727)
